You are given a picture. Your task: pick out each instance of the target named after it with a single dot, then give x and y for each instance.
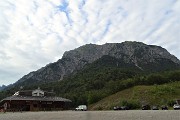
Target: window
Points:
(38, 93)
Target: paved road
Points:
(94, 115)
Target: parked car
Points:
(116, 108)
(164, 107)
(146, 107)
(176, 107)
(81, 108)
(124, 108)
(155, 107)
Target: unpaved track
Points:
(94, 115)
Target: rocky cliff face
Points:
(137, 53)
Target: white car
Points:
(81, 108)
(176, 107)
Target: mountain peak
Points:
(137, 54)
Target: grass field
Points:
(164, 94)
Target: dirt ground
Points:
(94, 115)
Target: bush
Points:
(99, 108)
(94, 96)
(171, 103)
(163, 90)
(156, 79)
(132, 104)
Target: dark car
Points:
(146, 107)
(164, 107)
(116, 108)
(124, 108)
(155, 108)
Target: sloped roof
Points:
(29, 92)
(36, 98)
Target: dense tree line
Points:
(96, 82)
(90, 90)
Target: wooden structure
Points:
(35, 100)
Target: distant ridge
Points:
(136, 55)
(2, 87)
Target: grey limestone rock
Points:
(136, 53)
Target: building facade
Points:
(35, 100)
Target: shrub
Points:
(171, 102)
(132, 104)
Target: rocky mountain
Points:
(2, 87)
(139, 55)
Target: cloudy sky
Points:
(34, 33)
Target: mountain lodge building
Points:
(35, 100)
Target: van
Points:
(81, 108)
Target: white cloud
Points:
(34, 33)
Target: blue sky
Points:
(34, 33)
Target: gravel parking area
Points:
(94, 115)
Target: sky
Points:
(34, 33)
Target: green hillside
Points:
(160, 95)
(91, 86)
(98, 80)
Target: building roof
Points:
(30, 95)
(30, 92)
(36, 98)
